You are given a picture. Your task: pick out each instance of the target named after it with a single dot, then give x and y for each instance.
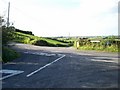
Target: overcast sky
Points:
(64, 17)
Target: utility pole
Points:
(69, 34)
(8, 15)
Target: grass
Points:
(54, 42)
(113, 45)
(30, 39)
(111, 48)
(8, 54)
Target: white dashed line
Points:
(106, 57)
(10, 73)
(43, 54)
(103, 60)
(45, 66)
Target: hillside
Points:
(35, 40)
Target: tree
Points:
(6, 31)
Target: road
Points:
(61, 67)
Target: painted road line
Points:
(44, 66)
(42, 54)
(107, 58)
(98, 60)
(84, 54)
(10, 73)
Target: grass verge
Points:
(111, 48)
(8, 54)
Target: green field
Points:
(35, 40)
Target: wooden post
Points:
(77, 44)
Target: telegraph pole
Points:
(8, 15)
(69, 34)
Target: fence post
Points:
(77, 44)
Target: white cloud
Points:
(61, 17)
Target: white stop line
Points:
(45, 66)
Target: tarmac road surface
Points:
(60, 67)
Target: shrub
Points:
(7, 34)
(26, 40)
(8, 54)
(41, 43)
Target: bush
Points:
(112, 48)
(26, 40)
(8, 54)
(41, 43)
(7, 34)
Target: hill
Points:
(35, 40)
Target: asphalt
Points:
(77, 69)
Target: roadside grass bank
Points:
(107, 49)
(105, 45)
(8, 54)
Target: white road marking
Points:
(103, 60)
(45, 66)
(43, 54)
(60, 54)
(84, 54)
(10, 72)
(106, 57)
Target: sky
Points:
(63, 17)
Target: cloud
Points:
(61, 17)
(58, 3)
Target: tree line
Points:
(25, 32)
